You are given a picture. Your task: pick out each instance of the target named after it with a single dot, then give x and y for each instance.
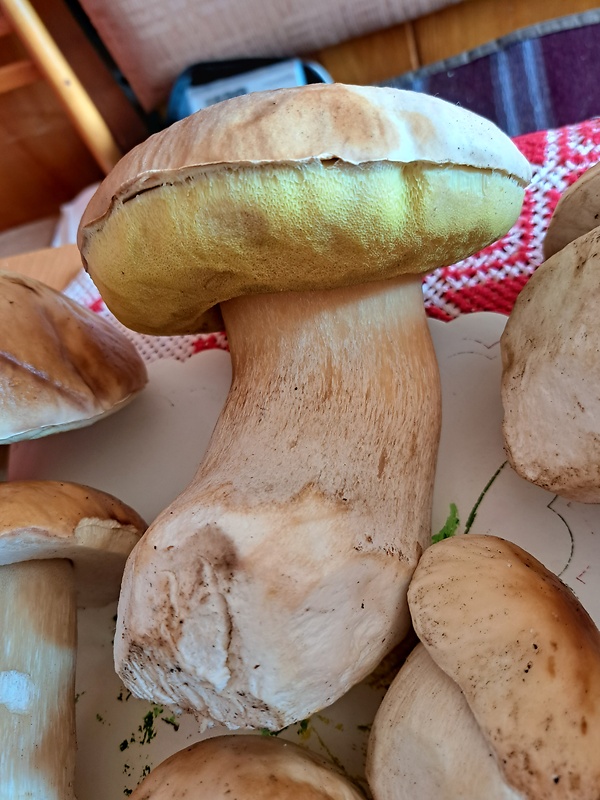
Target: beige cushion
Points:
(152, 41)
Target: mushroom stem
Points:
(425, 742)
(286, 561)
(37, 680)
(335, 393)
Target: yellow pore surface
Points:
(165, 257)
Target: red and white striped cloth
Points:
(487, 281)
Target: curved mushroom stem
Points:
(337, 392)
(38, 620)
(426, 743)
(278, 579)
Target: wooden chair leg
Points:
(55, 69)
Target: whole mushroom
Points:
(245, 767)
(61, 546)
(278, 579)
(513, 661)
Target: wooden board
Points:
(453, 30)
(54, 266)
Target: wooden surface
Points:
(453, 30)
(55, 70)
(44, 161)
(54, 266)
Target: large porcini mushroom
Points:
(577, 212)
(61, 546)
(551, 374)
(525, 655)
(62, 366)
(278, 579)
(245, 768)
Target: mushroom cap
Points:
(62, 366)
(92, 529)
(425, 742)
(526, 656)
(551, 373)
(245, 767)
(297, 189)
(577, 212)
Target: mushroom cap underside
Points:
(54, 520)
(524, 653)
(245, 767)
(551, 373)
(295, 190)
(62, 366)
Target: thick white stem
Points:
(37, 680)
(425, 743)
(278, 579)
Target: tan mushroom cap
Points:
(95, 531)
(524, 653)
(551, 374)
(576, 213)
(299, 189)
(61, 366)
(245, 768)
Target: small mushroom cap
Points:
(62, 366)
(524, 653)
(92, 529)
(245, 768)
(551, 374)
(576, 213)
(292, 190)
(426, 744)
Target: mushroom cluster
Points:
(501, 700)
(303, 218)
(551, 369)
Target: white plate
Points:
(148, 452)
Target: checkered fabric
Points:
(487, 281)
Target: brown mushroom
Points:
(62, 366)
(577, 212)
(245, 768)
(61, 546)
(525, 655)
(551, 374)
(278, 579)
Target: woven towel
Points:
(487, 281)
